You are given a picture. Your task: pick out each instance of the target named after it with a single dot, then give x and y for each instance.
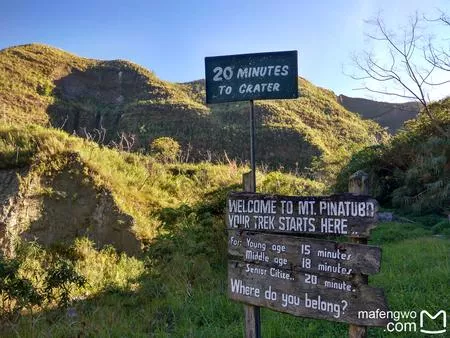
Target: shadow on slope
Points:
(118, 103)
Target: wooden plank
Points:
(252, 321)
(338, 215)
(294, 293)
(303, 254)
(252, 313)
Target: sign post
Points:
(358, 185)
(249, 77)
(270, 265)
(252, 146)
(252, 313)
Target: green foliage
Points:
(16, 292)
(165, 149)
(45, 89)
(39, 279)
(412, 171)
(104, 269)
(27, 281)
(192, 233)
(365, 159)
(279, 183)
(178, 288)
(426, 182)
(61, 276)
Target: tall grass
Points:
(178, 286)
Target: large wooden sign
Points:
(300, 294)
(304, 254)
(342, 215)
(271, 266)
(247, 77)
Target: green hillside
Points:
(118, 101)
(175, 286)
(412, 170)
(56, 187)
(97, 241)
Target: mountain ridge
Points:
(47, 86)
(387, 114)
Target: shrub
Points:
(412, 171)
(165, 149)
(16, 292)
(61, 276)
(35, 278)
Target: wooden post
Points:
(252, 313)
(358, 185)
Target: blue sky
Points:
(173, 37)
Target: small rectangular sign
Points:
(300, 294)
(245, 77)
(336, 215)
(304, 254)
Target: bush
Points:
(45, 89)
(16, 293)
(285, 184)
(165, 149)
(48, 280)
(60, 277)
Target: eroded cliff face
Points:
(9, 202)
(59, 207)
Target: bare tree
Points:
(97, 135)
(438, 56)
(404, 71)
(125, 143)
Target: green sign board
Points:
(247, 77)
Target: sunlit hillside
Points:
(121, 102)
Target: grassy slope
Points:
(26, 76)
(44, 85)
(316, 115)
(186, 297)
(178, 288)
(139, 184)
